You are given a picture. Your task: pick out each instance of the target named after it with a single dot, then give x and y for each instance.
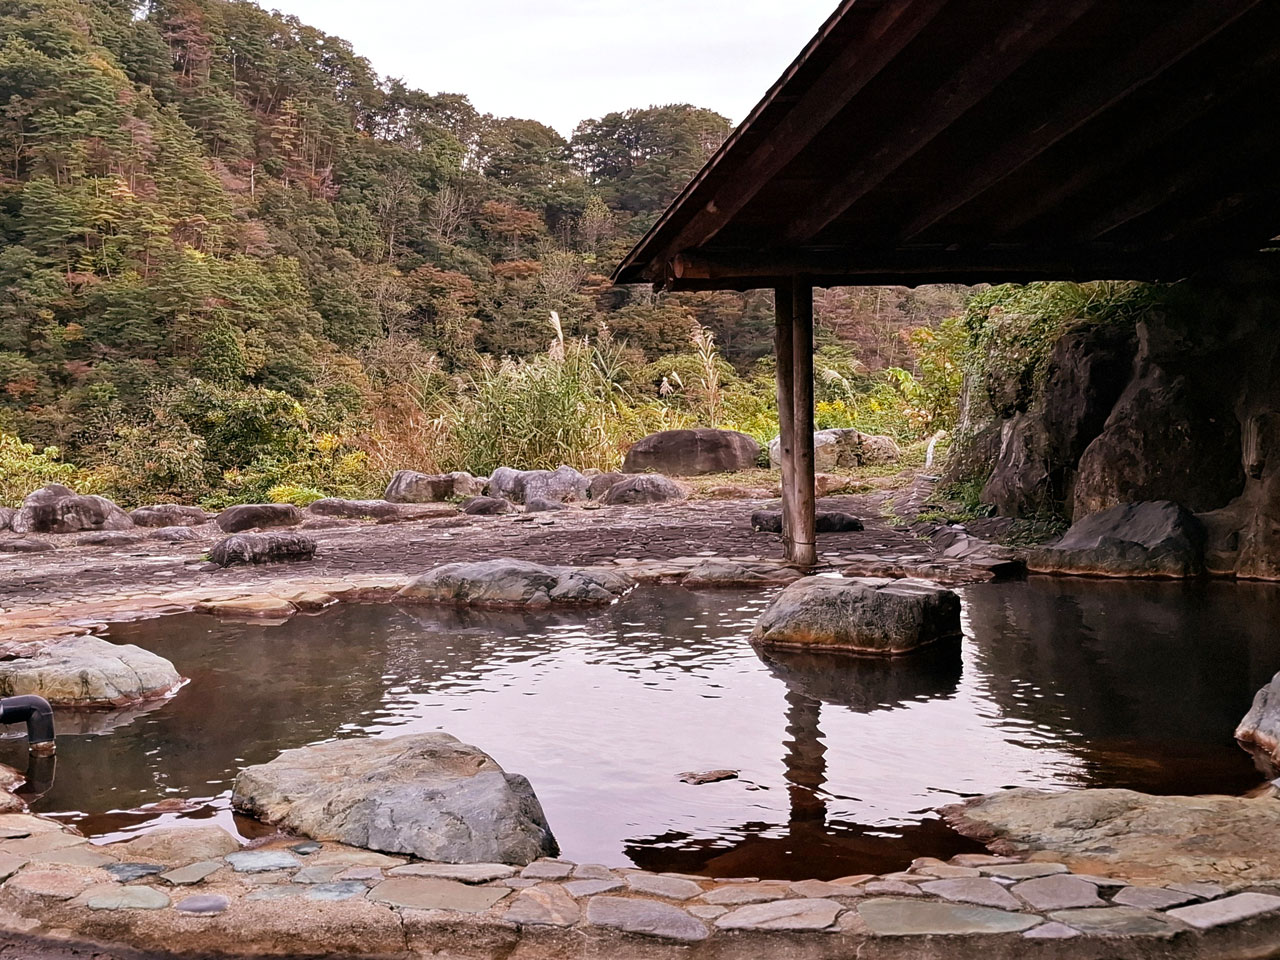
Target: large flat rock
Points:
(89, 672)
(1156, 538)
(1234, 841)
(424, 794)
(863, 616)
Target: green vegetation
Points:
(235, 263)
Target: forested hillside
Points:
(235, 261)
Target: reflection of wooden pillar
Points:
(806, 760)
(782, 334)
(804, 549)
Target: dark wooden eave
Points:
(921, 141)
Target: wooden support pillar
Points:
(783, 305)
(802, 506)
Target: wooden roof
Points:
(920, 141)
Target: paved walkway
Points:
(192, 891)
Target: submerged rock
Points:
(58, 509)
(169, 515)
(89, 672)
(865, 616)
(428, 795)
(409, 486)
(1259, 731)
(825, 521)
(515, 583)
(263, 548)
(247, 516)
(644, 488)
(1156, 538)
(688, 453)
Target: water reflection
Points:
(1058, 683)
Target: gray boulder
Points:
(428, 795)
(352, 509)
(248, 516)
(25, 545)
(246, 548)
(515, 583)
(864, 616)
(842, 449)
(174, 534)
(58, 509)
(825, 521)
(1259, 731)
(487, 507)
(89, 672)
(169, 515)
(689, 453)
(409, 486)
(6, 517)
(601, 482)
(561, 484)
(1157, 538)
(644, 488)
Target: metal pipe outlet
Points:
(36, 713)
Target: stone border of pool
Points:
(291, 898)
(62, 896)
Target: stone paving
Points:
(163, 893)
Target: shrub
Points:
(23, 469)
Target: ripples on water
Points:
(1059, 683)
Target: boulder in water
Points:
(428, 795)
(1259, 731)
(1155, 538)
(868, 616)
(89, 672)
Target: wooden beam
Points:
(1010, 47)
(869, 267)
(1109, 83)
(1144, 133)
(782, 347)
(894, 27)
(804, 542)
(1186, 170)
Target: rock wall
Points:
(1184, 407)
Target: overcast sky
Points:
(562, 61)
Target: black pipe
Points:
(38, 716)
